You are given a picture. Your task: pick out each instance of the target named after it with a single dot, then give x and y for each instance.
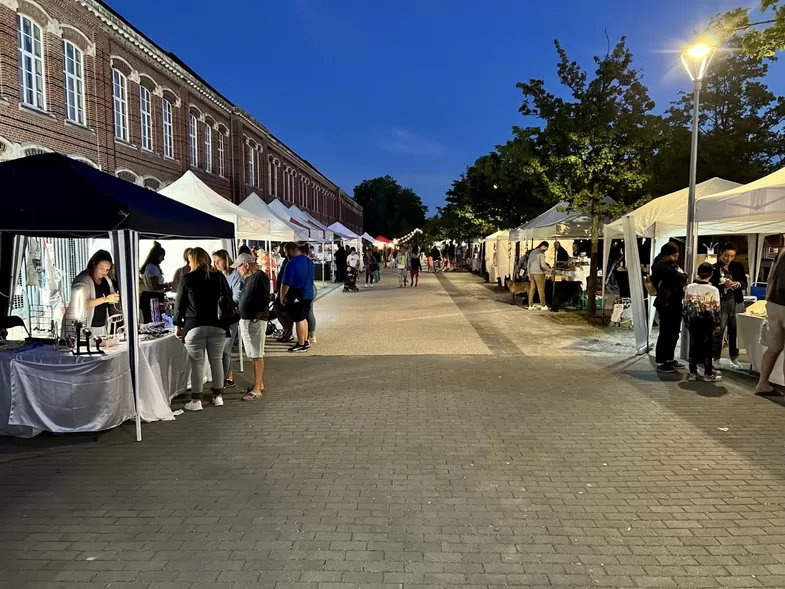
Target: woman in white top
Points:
(153, 285)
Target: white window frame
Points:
(250, 166)
(146, 118)
(122, 130)
(193, 139)
(208, 148)
(32, 75)
(221, 154)
(74, 87)
(167, 116)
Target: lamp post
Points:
(696, 60)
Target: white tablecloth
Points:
(44, 390)
(749, 327)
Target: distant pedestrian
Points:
(538, 269)
(402, 266)
(370, 268)
(415, 267)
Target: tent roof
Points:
(322, 231)
(191, 190)
(343, 231)
(53, 195)
(280, 229)
(367, 238)
(757, 207)
(282, 211)
(383, 239)
(502, 233)
(668, 212)
(558, 221)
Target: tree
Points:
(498, 188)
(757, 41)
(741, 125)
(389, 209)
(596, 142)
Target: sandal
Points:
(251, 396)
(228, 383)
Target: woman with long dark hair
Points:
(153, 285)
(93, 295)
(196, 320)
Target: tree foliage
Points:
(597, 141)
(757, 41)
(741, 125)
(389, 209)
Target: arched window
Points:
(73, 70)
(152, 183)
(120, 94)
(220, 153)
(146, 117)
(168, 125)
(250, 172)
(208, 148)
(192, 141)
(128, 176)
(30, 44)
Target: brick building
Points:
(77, 78)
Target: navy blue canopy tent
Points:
(51, 195)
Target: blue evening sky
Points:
(417, 89)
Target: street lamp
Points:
(696, 60)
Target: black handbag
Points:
(228, 313)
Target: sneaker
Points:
(218, 401)
(734, 363)
(712, 378)
(299, 349)
(312, 338)
(675, 364)
(193, 406)
(692, 377)
(666, 368)
(366, 286)
(286, 336)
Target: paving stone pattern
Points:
(412, 472)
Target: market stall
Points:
(498, 256)
(53, 389)
(658, 220)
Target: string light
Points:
(408, 236)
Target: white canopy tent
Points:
(302, 215)
(342, 231)
(189, 189)
(498, 255)
(367, 238)
(756, 209)
(556, 222)
(281, 229)
(280, 209)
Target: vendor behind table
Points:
(94, 296)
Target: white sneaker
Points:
(218, 401)
(691, 377)
(366, 286)
(735, 364)
(193, 406)
(713, 378)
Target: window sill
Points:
(4, 101)
(151, 152)
(79, 127)
(123, 143)
(170, 159)
(35, 111)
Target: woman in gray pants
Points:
(196, 318)
(223, 263)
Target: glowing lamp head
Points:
(696, 60)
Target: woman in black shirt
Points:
(196, 318)
(93, 295)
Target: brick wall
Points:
(107, 42)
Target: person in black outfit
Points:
(197, 323)
(561, 253)
(340, 264)
(669, 280)
(731, 280)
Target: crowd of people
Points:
(708, 305)
(217, 300)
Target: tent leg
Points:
(240, 349)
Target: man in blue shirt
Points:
(297, 292)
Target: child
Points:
(702, 316)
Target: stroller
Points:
(350, 282)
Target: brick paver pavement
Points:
(407, 472)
